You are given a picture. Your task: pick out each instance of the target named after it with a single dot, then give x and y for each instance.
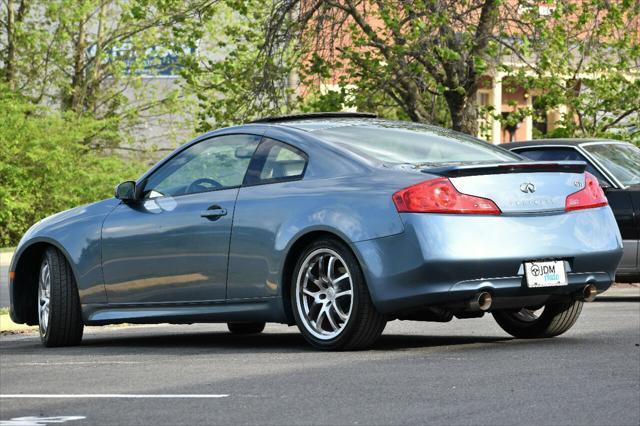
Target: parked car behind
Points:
(336, 223)
(616, 164)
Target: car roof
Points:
(314, 116)
(556, 142)
(323, 121)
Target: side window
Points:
(561, 154)
(276, 162)
(216, 163)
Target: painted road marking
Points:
(39, 421)
(46, 364)
(110, 395)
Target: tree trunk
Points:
(77, 82)
(93, 85)
(411, 100)
(464, 114)
(9, 67)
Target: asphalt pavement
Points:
(464, 372)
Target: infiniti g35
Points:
(616, 165)
(336, 223)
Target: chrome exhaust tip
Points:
(589, 293)
(480, 302)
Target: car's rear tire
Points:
(554, 320)
(59, 314)
(245, 327)
(330, 299)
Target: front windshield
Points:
(621, 159)
(412, 143)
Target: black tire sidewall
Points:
(65, 326)
(534, 329)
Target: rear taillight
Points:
(588, 197)
(440, 196)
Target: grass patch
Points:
(7, 249)
(4, 311)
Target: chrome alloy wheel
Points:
(324, 293)
(44, 296)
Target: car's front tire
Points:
(331, 303)
(59, 314)
(549, 321)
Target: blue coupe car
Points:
(336, 223)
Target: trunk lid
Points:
(518, 187)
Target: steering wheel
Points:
(203, 184)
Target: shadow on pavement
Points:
(618, 299)
(203, 342)
(397, 342)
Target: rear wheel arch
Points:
(25, 282)
(292, 258)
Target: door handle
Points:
(213, 212)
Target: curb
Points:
(9, 327)
(5, 258)
(621, 293)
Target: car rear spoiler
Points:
(505, 168)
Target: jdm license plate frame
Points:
(545, 273)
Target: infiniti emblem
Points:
(528, 187)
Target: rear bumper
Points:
(442, 259)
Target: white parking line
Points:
(39, 421)
(109, 395)
(48, 364)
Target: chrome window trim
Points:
(597, 163)
(155, 169)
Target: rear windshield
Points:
(412, 143)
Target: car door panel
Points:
(634, 192)
(172, 245)
(163, 250)
(629, 224)
(263, 205)
(620, 202)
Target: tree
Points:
(412, 53)
(583, 57)
(91, 56)
(45, 166)
(72, 72)
(229, 76)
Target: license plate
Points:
(545, 274)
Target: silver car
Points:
(336, 223)
(616, 165)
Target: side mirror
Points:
(126, 191)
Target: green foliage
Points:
(74, 91)
(584, 57)
(418, 60)
(230, 77)
(424, 60)
(46, 165)
(93, 56)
